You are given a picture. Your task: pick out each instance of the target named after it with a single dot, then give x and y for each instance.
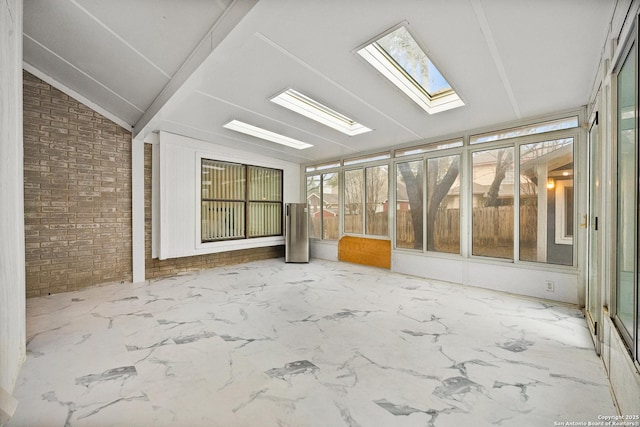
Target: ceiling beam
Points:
(218, 32)
(495, 54)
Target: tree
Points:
(504, 161)
(442, 173)
(413, 184)
(442, 183)
(377, 193)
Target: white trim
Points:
(155, 199)
(179, 213)
(137, 211)
(75, 95)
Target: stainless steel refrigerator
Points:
(296, 233)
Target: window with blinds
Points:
(240, 201)
(265, 201)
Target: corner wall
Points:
(12, 267)
(77, 193)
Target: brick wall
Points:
(77, 169)
(157, 268)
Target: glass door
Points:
(594, 257)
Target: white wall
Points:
(529, 280)
(178, 192)
(623, 375)
(12, 267)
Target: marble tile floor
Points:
(319, 344)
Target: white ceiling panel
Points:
(551, 57)
(102, 55)
(128, 49)
(508, 59)
(164, 33)
(80, 82)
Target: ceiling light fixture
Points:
(248, 129)
(308, 107)
(399, 58)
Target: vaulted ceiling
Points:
(190, 66)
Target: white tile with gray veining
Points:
(319, 344)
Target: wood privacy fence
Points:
(490, 225)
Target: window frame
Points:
(441, 149)
(630, 338)
(321, 174)
(363, 166)
(246, 202)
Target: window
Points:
(323, 202)
(409, 204)
(493, 203)
(528, 220)
(365, 159)
(353, 201)
(323, 166)
(626, 269)
(331, 206)
(398, 57)
(366, 191)
(223, 201)
(442, 207)
(546, 202)
(234, 195)
(443, 204)
(265, 201)
(314, 204)
(377, 200)
(428, 147)
(535, 129)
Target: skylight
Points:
(399, 57)
(308, 107)
(248, 129)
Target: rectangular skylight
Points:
(308, 107)
(399, 58)
(248, 129)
